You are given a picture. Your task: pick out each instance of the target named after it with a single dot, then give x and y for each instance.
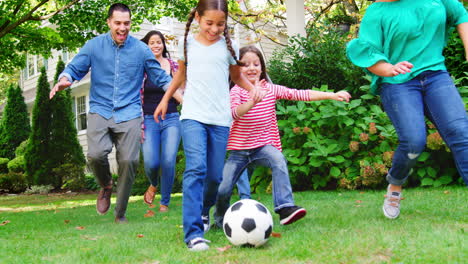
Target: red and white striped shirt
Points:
(259, 127)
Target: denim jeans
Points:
(160, 148)
(434, 95)
(205, 152)
(238, 160)
(243, 184)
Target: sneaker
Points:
(206, 222)
(121, 220)
(103, 200)
(391, 206)
(198, 244)
(289, 215)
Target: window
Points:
(34, 63)
(67, 56)
(80, 113)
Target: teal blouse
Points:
(405, 30)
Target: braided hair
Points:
(205, 5)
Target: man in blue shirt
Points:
(118, 62)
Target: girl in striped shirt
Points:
(254, 137)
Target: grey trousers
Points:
(102, 135)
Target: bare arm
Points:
(176, 82)
(463, 31)
(386, 69)
(338, 96)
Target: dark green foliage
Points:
(13, 182)
(350, 145)
(17, 164)
(3, 165)
(72, 176)
(38, 165)
(14, 127)
(320, 59)
(64, 145)
(455, 59)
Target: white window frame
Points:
(34, 67)
(80, 107)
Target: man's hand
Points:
(61, 85)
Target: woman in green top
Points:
(400, 45)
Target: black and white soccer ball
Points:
(247, 223)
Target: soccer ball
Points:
(247, 223)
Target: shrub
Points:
(13, 182)
(39, 189)
(455, 59)
(64, 146)
(21, 149)
(17, 164)
(90, 182)
(71, 175)
(38, 166)
(316, 60)
(3, 165)
(330, 143)
(14, 127)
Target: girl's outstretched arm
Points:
(176, 82)
(338, 96)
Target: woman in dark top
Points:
(160, 140)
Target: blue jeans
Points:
(243, 184)
(432, 94)
(160, 151)
(205, 151)
(238, 160)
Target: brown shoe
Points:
(163, 208)
(103, 200)
(148, 197)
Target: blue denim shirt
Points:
(116, 75)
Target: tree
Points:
(272, 14)
(25, 27)
(15, 127)
(38, 164)
(64, 145)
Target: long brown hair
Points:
(151, 33)
(205, 5)
(253, 49)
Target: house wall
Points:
(167, 26)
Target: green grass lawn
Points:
(340, 227)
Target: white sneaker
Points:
(391, 206)
(198, 244)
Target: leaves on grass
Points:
(358, 201)
(224, 248)
(66, 221)
(446, 192)
(79, 227)
(151, 262)
(6, 222)
(140, 235)
(151, 205)
(149, 213)
(274, 234)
